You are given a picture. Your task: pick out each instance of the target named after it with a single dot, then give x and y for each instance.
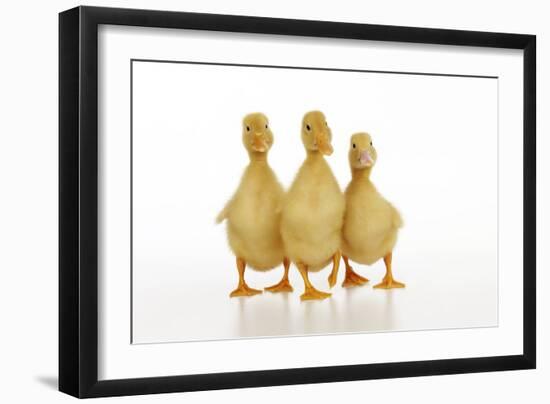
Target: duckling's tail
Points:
(397, 218)
(398, 222)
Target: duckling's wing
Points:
(224, 212)
(221, 216)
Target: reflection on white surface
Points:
(442, 299)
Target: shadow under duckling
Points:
(253, 213)
(371, 223)
(313, 210)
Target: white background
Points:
(437, 145)
(29, 205)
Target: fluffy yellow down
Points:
(313, 208)
(253, 213)
(371, 222)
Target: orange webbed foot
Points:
(244, 290)
(353, 279)
(389, 283)
(283, 286)
(313, 294)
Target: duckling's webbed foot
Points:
(352, 278)
(284, 284)
(388, 282)
(310, 293)
(243, 289)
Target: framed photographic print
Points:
(251, 201)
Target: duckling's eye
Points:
(266, 126)
(326, 124)
(371, 143)
(308, 127)
(354, 145)
(248, 128)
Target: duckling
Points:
(313, 209)
(253, 213)
(371, 222)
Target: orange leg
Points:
(388, 282)
(335, 266)
(310, 293)
(284, 284)
(352, 278)
(243, 289)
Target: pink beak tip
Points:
(365, 158)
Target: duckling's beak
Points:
(323, 144)
(365, 159)
(259, 143)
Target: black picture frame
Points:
(78, 201)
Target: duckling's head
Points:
(362, 153)
(257, 136)
(316, 134)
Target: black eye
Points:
(248, 128)
(266, 126)
(308, 127)
(354, 145)
(326, 124)
(371, 143)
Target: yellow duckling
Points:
(371, 223)
(253, 213)
(313, 209)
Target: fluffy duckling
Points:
(253, 213)
(371, 223)
(313, 210)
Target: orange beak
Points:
(258, 143)
(323, 144)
